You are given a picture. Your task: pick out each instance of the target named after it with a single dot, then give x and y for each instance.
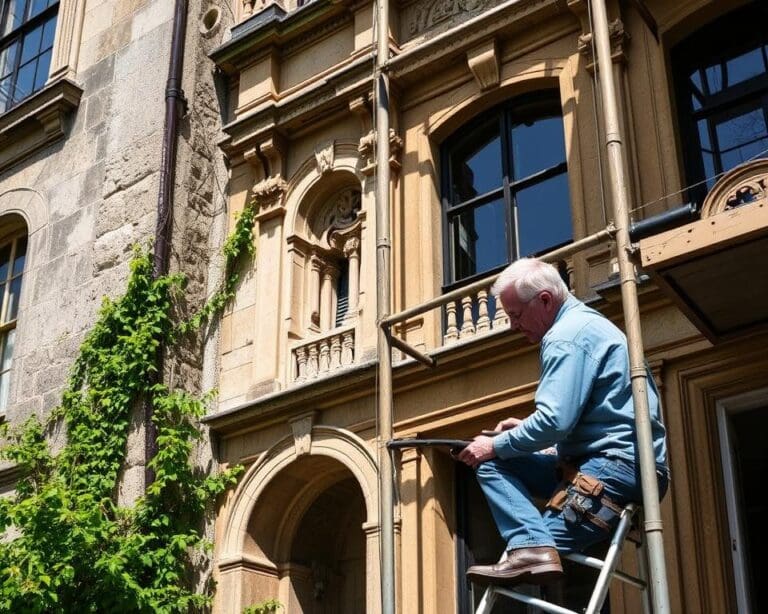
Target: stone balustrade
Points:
(472, 315)
(323, 355)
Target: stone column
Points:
(316, 266)
(352, 253)
(328, 297)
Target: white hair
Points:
(529, 276)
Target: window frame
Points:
(18, 35)
(539, 105)
(687, 57)
(12, 238)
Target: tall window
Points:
(13, 253)
(505, 192)
(721, 74)
(27, 28)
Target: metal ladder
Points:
(606, 566)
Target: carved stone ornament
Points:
(619, 39)
(746, 184)
(268, 197)
(325, 158)
(301, 427)
(367, 149)
(428, 14)
(483, 61)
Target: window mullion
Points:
(510, 219)
(7, 280)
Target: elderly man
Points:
(581, 435)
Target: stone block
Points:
(123, 206)
(154, 14)
(72, 233)
(145, 53)
(51, 378)
(98, 76)
(98, 18)
(130, 164)
(114, 247)
(126, 8)
(97, 110)
(131, 485)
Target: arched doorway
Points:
(304, 529)
(327, 559)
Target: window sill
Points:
(37, 121)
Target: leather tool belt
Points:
(581, 496)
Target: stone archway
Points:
(271, 546)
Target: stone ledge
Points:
(37, 121)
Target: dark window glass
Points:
(721, 73)
(506, 188)
(342, 292)
(27, 29)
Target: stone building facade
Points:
(497, 151)
(83, 107)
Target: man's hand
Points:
(480, 450)
(507, 424)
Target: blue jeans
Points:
(511, 485)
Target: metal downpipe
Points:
(638, 373)
(174, 101)
(383, 300)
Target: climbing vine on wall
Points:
(68, 545)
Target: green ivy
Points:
(271, 606)
(68, 545)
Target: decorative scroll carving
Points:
(302, 433)
(619, 39)
(268, 196)
(424, 16)
(325, 158)
(744, 185)
(367, 149)
(483, 61)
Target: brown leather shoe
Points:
(537, 565)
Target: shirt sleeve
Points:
(568, 374)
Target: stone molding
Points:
(336, 443)
(743, 185)
(37, 121)
(66, 48)
(429, 14)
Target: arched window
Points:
(13, 252)
(721, 74)
(505, 187)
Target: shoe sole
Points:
(540, 575)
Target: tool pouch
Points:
(580, 496)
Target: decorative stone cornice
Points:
(37, 121)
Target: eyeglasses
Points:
(514, 318)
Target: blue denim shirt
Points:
(584, 398)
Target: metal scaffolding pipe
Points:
(557, 254)
(401, 345)
(638, 372)
(383, 299)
